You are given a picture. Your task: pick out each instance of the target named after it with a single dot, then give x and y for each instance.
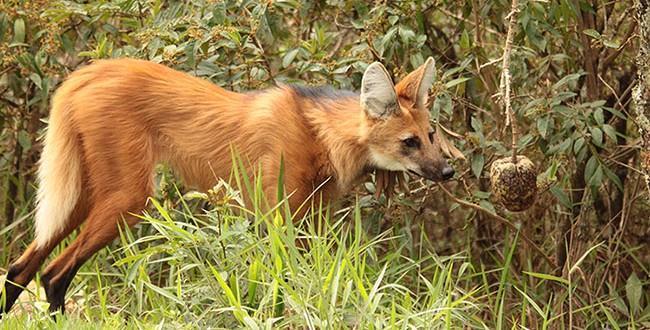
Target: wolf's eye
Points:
(431, 136)
(412, 142)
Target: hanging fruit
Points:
(514, 184)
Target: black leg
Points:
(55, 288)
(11, 291)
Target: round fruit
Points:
(514, 184)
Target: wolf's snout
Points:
(447, 172)
(436, 171)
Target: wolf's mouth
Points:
(416, 173)
(427, 177)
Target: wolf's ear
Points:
(378, 97)
(414, 88)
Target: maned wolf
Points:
(113, 121)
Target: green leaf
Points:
(535, 36)
(597, 179)
(3, 26)
(406, 34)
(532, 302)
(24, 140)
(37, 80)
(552, 170)
(566, 79)
(578, 144)
(596, 136)
(576, 265)
(481, 194)
(358, 24)
(616, 113)
(238, 311)
(476, 124)
(386, 40)
(565, 145)
(548, 277)
(599, 117)
(561, 196)
(442, 103)
(253, 279)
(487, 205)
(633, 291)
(456, 81)
(619, 303)
(590, 167)
(594, 104)
(289, 57)
(477, 164)
(610, 317)
(464, 40)
(542, 125)
(613, 177)
(612, 44)
(87, 54)
(610, 131)
(525, 140)
(19, 31)
(163, 292)
(592, 33)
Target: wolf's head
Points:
(401, 137)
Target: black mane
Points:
(320, 92)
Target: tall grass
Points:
(202, 260)
(220, 268)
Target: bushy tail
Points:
(59, 174)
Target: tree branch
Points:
(641, 93)
(501, 219)
(506, 78)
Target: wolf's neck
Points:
(342, 129)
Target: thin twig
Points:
(494, 61)
(263, 54)
(9, 102)
(341, 25)
(372, 49)
(501, 219)
(7, 69)
(505, 77)
(465, 20)
(613, 53)
(339, 43)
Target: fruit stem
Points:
(505, 77)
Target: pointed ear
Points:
(378, 97)
(415, 86)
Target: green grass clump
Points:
(229, 268)
(203, 260)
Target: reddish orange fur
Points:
(121, 117)
(132, 114)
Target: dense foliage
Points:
(578, 258)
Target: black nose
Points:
(448, 172)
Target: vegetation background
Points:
(434, 256)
